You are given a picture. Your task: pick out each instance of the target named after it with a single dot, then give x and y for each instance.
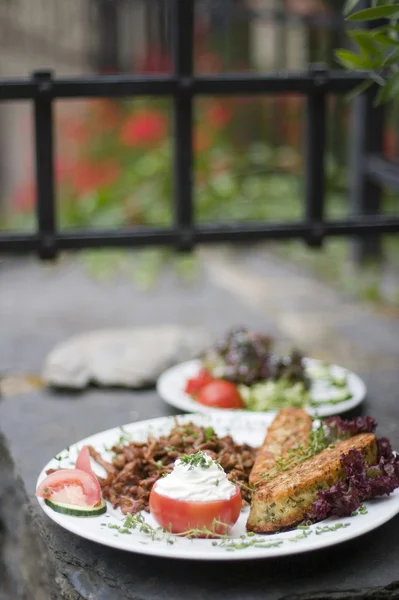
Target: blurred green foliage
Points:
(376, 47)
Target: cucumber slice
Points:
(319, 372)
(341, 395)
(77, 511)
(339, 381)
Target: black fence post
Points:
(183, 47)
(108, 36)
(45, 199)
(366, 194)
(315, 143)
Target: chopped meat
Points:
(137, 465)
(100, 460)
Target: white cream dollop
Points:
(196, 483)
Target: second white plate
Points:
(171, 385)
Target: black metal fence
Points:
(370, 171)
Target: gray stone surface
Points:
(50, 423)
(36, 426)
(41, 306)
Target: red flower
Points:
(87, 177)
(218, 115)
(144, 127)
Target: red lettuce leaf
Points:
(361, 482)
(342, 429)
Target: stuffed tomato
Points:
(196, 498)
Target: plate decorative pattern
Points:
(171, 384)
(109, 529)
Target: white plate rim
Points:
(363, 523)
(176, 397)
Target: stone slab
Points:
(38, 425)
(41, 307)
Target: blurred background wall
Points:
(34, 35)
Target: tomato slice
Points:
(195, 384)
(180, 516)
(220, 394)
(83, 461)
(71, 486)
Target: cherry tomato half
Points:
(71, 486)
(220, 394)
(195, 384)
(180, 516)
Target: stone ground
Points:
(40, 306)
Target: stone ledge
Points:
(389, 592)
(45, 562)
(29, 572)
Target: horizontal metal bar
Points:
(233, 232)
(240, 83)
(90, 86)
(76, 240)
(383, 171)
(19, 89)
(13, 243)
(362, 226)
(120, 238)
(152, 85)
(337, 82)
(254, 231)
(19, 243)
(115, 85)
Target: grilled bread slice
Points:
(290, 428)
(287, 499)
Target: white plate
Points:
(171, 384)
(244, 429)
